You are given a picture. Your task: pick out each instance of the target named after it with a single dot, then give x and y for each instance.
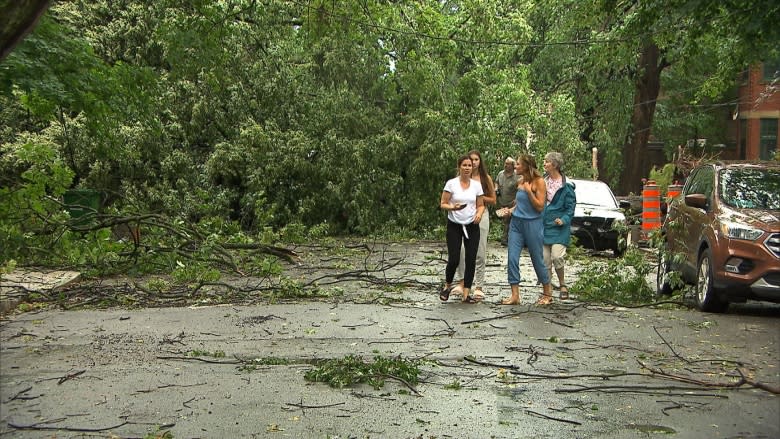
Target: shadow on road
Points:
(758, 309)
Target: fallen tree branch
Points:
(70, 376)
(741, 382)
(48, 426)
(302, 406)
(402, 381)
(204, 360)
(551, 417)
(639, 389)
(484, 363)
(19, 394)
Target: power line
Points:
(578, 42)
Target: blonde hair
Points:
(530, 164)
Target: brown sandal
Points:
(564, 292)
(544, 300)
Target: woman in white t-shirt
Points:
(462, 199)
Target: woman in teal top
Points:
(561, 200)
(526, 229)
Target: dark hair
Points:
(462, 159)
(484, 178)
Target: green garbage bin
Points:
(82, 204)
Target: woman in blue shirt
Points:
(526, 229)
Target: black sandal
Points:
(444, 294)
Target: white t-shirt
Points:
(468, 196)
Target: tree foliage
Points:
(344, 116)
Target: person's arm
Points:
(445, 202)
(537, 193)
(569, 202)
(490, 196)
(480, 209)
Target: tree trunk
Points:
(648, 84)
(17, 19)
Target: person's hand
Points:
(527, 187)
(458, 206)
(558, 221)
(477, 218)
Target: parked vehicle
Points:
(599, 222)
(725, 227)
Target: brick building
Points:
(757, 116)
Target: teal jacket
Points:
(561, 206)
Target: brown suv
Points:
(722, 234)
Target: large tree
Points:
(614, 56)
(17, 19)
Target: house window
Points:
(744, 76)
(768, 138)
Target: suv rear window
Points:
(750, 188)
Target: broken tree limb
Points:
(717, 385)
(484, 363)
(70, 376)
(20, 393)
(552, 418)
(48, 426)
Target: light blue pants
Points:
(526, 233)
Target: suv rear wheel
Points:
(707, 297)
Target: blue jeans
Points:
(526, 233)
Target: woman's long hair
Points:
(484, 178)
(530, 164)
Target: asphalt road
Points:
(485, 370)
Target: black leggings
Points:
(455, 237)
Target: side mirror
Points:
(696, 200)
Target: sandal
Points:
(469, 299)
(508, 301)
(544, 300)
(564, 292)
(478, 295)
(444, 294)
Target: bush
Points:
(622, 282)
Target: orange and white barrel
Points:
(673, 191)
(651, 208)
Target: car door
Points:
(693, 220)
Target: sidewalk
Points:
(17, 285)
